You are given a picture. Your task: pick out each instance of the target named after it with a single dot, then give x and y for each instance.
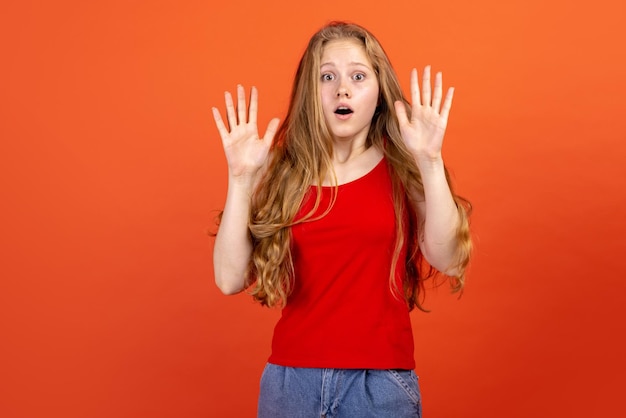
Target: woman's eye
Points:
(327, 77)
(358, 77)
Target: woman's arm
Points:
(246, 153)
(233, 247)
(440, 218)
(423, 135)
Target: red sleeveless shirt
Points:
(342, 312)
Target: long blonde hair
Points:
(302, 155)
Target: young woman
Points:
(337, 216)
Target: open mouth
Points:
(342, 110)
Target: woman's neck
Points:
(357, 163)
(345, 150)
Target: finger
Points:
(241, 104)
(271, 130)
(220, 123)
(447, 104)
(415, 89)
(230, 110)
(437, 92)
(426, 86)
(401, 112)
(254, 98)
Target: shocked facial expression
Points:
(349, 89)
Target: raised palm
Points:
(246, 152)
(423, 133)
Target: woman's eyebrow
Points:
(350, 63)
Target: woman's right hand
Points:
(245, 151)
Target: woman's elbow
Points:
(442, 261)
(229, 286)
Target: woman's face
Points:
(349, 89)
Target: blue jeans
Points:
(290, 392)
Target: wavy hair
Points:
(302, 155)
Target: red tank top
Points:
(342, 313)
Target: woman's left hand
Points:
(423, 133)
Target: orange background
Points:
(112, 172)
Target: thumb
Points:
(401, 112)
(271, 130)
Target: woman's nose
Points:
(343, 91)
